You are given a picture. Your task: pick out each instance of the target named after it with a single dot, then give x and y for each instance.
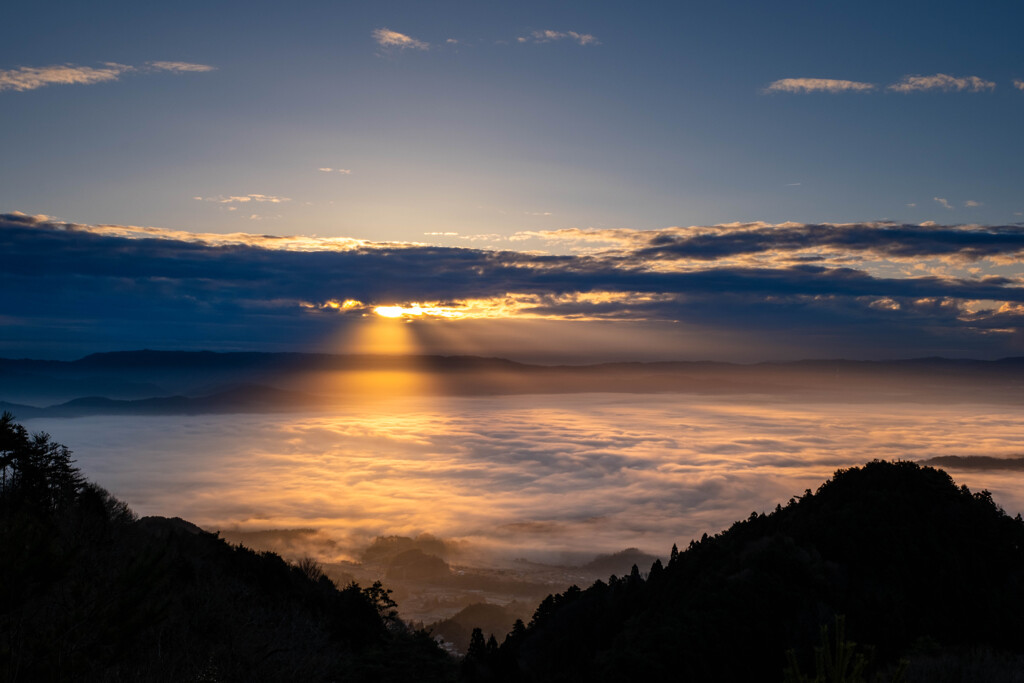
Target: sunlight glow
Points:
(567, 306)
(416, 310)
(347, 304)
(384, 334)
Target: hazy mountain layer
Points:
(166, 382)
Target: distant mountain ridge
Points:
(201, 358)
(247, 398)
(193, 382)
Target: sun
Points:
(389, 311)
(418, 311)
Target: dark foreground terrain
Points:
(90, 593)
(913, 578)
(888, 572)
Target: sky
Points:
(547, 180)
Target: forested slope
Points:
(919, 569)
(90, 593)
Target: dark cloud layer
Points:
(143, 287)
(975, 462)
(892, 241)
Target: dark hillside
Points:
(915, 564)
(89, 593)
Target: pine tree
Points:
(477, 645)
(35, 471)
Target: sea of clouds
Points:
(550, 478)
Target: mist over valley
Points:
(488, 491)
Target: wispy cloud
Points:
(30, 78)
(1018, 84)
(33, 77)
(385, 37)
(943, 202)
(972, 203)
(245, 198)
(914, 83)
(942, 82)
(807, 85)
(343, 171)
(548, 36)
(181, 67)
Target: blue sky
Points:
(491, 125)
(662, 120)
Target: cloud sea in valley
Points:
(548, 478)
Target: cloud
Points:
(520, 474)
(344, 171)
(181, 67)
(1018, 84)
(807, 85)
(548, 36)
(828, 242)
(246, 198)
(971, 202)
(385, 37)
(942, 82)
(975, 462)
(907, 84)
(835, 288)
(31, 78)
(944, 203)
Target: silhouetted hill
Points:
(89, 593)
(493, 620)
(616, 562)
(918, 567)
(241, 399)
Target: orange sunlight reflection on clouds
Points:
(526, 475)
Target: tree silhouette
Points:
(476, 665)
(13, 439)
(477, 645)
(35, 471)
